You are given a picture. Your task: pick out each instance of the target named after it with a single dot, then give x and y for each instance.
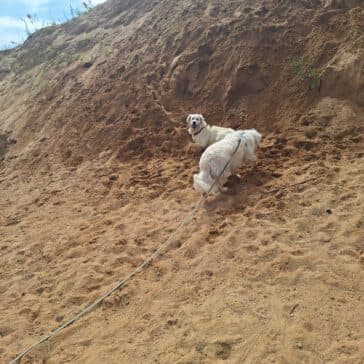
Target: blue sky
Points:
(12, 28)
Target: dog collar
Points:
(198, 131)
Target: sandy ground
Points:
(266, 273)
(96, 171)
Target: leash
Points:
(124, 281)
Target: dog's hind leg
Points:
(199, 184)
(222, 180)
(217, 176)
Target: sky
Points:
(12, 28)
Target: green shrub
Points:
(305, 72)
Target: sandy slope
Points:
(258, 277)
(96, 169)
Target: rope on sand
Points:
(123, 281)
(157, 253)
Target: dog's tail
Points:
(257, 136)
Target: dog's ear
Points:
(188, 118)
(202, 118)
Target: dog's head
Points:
(195, 122)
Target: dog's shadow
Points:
(244, 189)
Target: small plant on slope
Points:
(305, 72)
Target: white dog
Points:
(202, 133)
(229, 153)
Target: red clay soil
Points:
(96, 171)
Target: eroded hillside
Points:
(96, 168)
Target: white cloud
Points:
(7, 22)
(97, 2)
(34, 6)
(11, 38)
(35, 3)
(14, 30)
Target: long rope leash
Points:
(123, 281)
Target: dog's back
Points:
(222, 150)
(226, 156)
(218, 132)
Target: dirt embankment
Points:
(96, 167)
